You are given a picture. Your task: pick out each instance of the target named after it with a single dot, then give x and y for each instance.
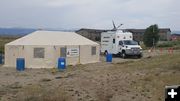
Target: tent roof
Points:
(52, 38)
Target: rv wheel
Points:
(140, 56)
(123, 54)
(106, 52)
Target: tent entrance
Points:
(14, 52)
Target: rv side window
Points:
(93, 50)
(107, 37)
(120, 43)
(39, 52)
(63, 52)
(113, 40)
(105, 41)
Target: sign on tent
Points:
(72, 52)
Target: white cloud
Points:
(62, 3)
(89, 13)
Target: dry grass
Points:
(39, 93)
(158, 72)
(140, 80)
(4, 40)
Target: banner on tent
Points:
(73, 52)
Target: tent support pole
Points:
(79, 55)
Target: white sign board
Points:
(73, 52)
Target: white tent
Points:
(41, 49)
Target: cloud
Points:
(63, 3)
(89, 13)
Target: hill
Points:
(16, 31)
(175, 32)
(25, 31)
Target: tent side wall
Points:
(84, 57)
(11, 53)
(51, 55)
(48, 60)
(86, 54)
(72, 60)
(7, 60)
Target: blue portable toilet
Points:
(1, 58)
(20, 64)
(61, 63)
(109, 58)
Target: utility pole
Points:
(153, 40)
(153, 43)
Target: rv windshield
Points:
(130, 42)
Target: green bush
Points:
(1, 50)
(4, 40)
(169, 44)
(165, 45)
(175, 42)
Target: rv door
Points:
(114, 45)
(120, 45)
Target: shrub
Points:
(165, 45)
(169, 44)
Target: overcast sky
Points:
(70, 14)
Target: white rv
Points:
(120, 43)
